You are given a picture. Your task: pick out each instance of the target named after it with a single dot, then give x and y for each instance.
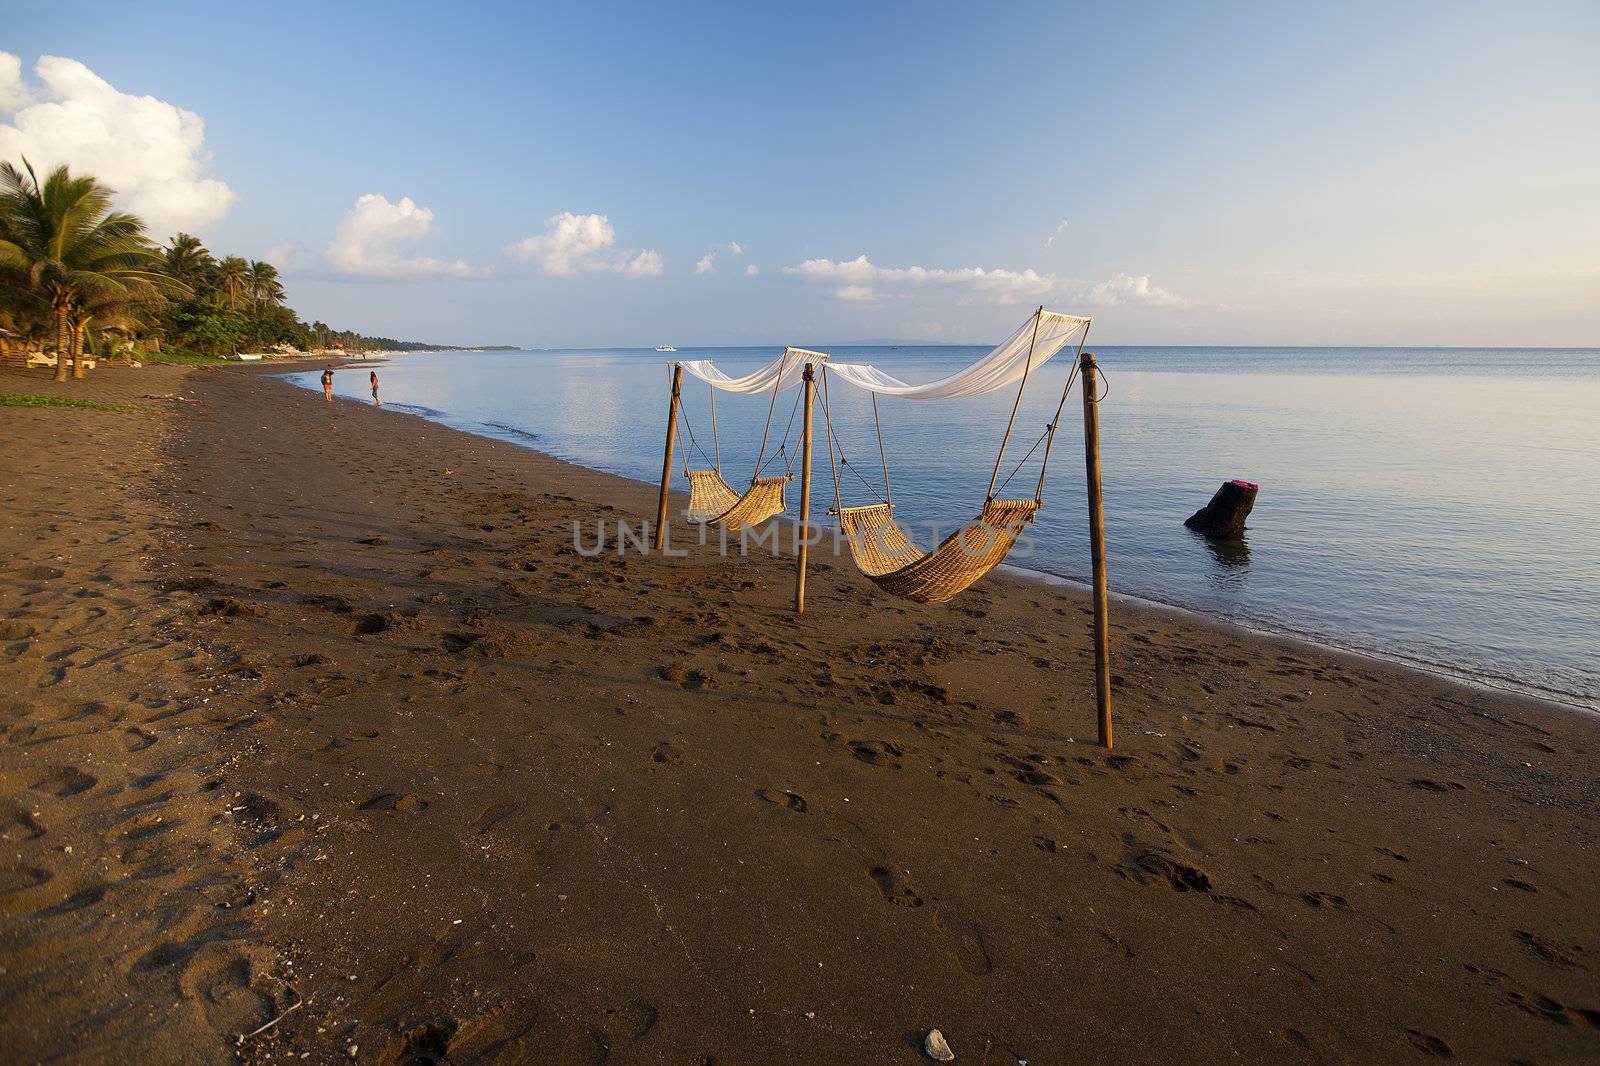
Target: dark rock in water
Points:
(1224, 516)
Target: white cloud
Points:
(752, 270)
(862, 279)
(364, 245)
(1123, 288)
(708, 262)
(151, 152)
(573, 243)
(14, 93)
(1048, 241)
(283, 255)
(857, 294)
(643, 265)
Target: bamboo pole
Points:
(666, 460)
(805, 500)
(1097, 548)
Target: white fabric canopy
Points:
(1001, 367)
(785, 372)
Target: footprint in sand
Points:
(791, 800)
(876, 752)
(1428, 1044)
(428, 1043)
(966, 940)
(397, 802)
(83, 897)
(893, 887)
(65, 781)
(628, 1025)
(138, 739)
(684, 677)
(18, 824)
(1145, 865)
(490, 817)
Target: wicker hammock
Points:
(713, 501)
(882, 550)
(885, 554)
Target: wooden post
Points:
(666, 460)
(1097, 548)
(805, 500)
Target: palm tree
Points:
(265, 288)
(122, 309)
(188, 261)
(73, 248)
(233, 278)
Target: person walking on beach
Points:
(327, 383)
(375, 399)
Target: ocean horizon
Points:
(1430, 505)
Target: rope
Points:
(1072, 375)
(864, 482)
(888, 497)
(844, 462)
(1038, 316)
(784, 443)
(688, 428)
(783, 364)
(827, 419)
(1048, 430)
(715, 443)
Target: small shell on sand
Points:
(937, 1047)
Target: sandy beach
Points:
(323, 742)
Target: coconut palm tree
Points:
(188, 261)
(121, 309)
(233, 278)
(72, 247)
(265, 288)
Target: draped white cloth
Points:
(1001, 367)
(785, 372)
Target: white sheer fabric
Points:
(1001, 367)
(785, 372)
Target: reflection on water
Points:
(1231, 555)
(1432, 504)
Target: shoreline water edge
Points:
(934, 532)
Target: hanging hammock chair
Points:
(712, 501)
(882, 550)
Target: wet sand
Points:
(315, 708)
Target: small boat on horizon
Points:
(665, 348)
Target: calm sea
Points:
(1439, 506)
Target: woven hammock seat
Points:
(712, 500)
(885, 554)
(880, 548)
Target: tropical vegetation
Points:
(69, 259)
(81, 280)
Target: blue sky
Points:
(1299, 174)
